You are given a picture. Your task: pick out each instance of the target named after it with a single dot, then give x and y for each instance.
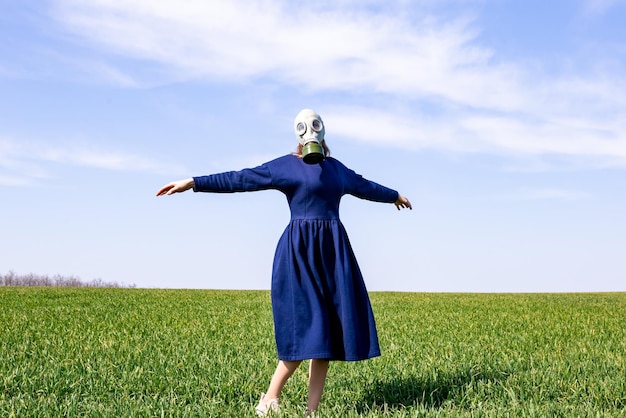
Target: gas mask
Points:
(309, 130)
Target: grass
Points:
(94, 352)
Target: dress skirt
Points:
(320, 304)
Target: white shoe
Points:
(265, 406)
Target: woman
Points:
(320, 304)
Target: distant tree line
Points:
(30, 279)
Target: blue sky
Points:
(504, 123)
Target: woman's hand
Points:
(176, 187)
(402, 202)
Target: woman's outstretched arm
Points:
(176, 187)
(402, 202)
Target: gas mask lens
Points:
(316, 125)
(300, 128)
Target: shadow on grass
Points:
(407, 391)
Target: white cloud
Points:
(14, 181)
(23, 163)
(601, 6)
(470, 132)
(481, 103)
(337, 49)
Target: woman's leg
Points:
(283, 372)
(317, 377)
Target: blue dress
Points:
(319, 301)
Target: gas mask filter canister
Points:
(309, 129)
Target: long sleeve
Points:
(362, 188)
(247, 180)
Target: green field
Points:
(193, 353)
